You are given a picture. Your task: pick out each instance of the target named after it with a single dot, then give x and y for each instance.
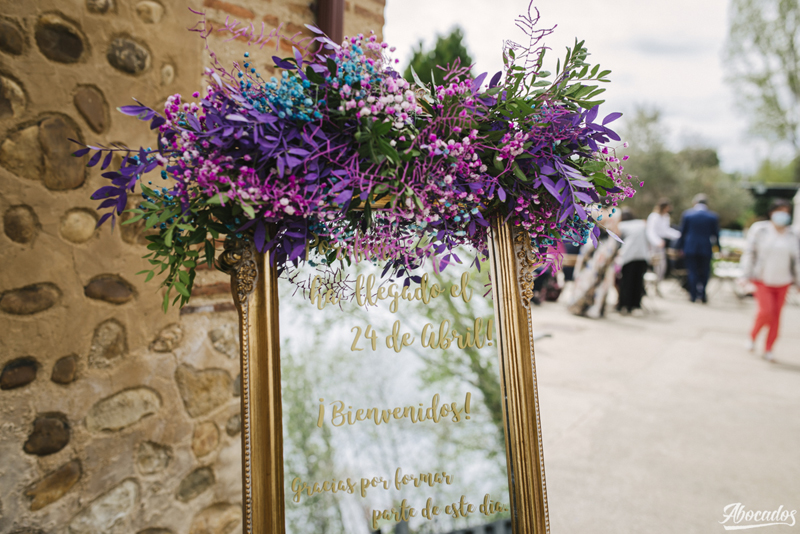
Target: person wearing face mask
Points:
(771, 261)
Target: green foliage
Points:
(445, 51)
(679, 176)
(773, 172)
(764, 65)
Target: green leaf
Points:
(168, 236)
(133, 219)
(518, 173)
(416, 78)
(149, 276)
(249, 211)
(209, 250)
(314, 77)
(180, 288)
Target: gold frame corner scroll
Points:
(254, 284)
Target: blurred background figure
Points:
(659, 233)
(633, 256)
(771, 261)
(699, 227)
(594, 272)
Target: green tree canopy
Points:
(679, 176)
(446, 51)
(763, 62)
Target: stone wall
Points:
(114, 417)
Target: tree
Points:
(446, 51)
(679, 176)
(763, 58)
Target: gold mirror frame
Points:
(254, 284)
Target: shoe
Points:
(769, 357)
(751, 346)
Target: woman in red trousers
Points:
(772, 262)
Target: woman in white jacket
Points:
(772, 262)
(658, 232)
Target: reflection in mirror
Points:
(392, 409)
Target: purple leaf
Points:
(591, 115)
(80, 153)
(193, 122)
(343, 197)
(612, 234)
(495, 79)
(104, 218)
(95, 159)
(315, 29)
(260, 235)
(611, 117)
(234, 117)
(157, 121)
(501, 193)
(107, 161)
(104, 192)
(476, 83)
(133, 111)
(583, 197)
(548, 184)
(298, 57)
(282, 64)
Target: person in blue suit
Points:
(699, 228)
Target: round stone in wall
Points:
(19, 372)
(123, 409)
(92, 106)
(109, 512)
(205, 438)
(128, 56)
(21, 153)
(78, 225)
(58, 39)
(20, 224)
(195, 483)
(54, 485)
(99, 6)
(109, 288)
(152, 457)
(168, 339)
(219, 518)
(65, 370)
(167, 75)
(234, 425)
(149, 11)
(62, 170)
(12, 98)
(50, 434)
(30, 299)
(109, 344)
(12, 41)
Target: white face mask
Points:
(781, 218)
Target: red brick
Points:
(219, 288)
(272, 20)
(232, 9)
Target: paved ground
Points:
(654, 424)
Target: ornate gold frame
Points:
(255, 292)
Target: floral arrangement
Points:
(338, 152)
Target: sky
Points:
(664, 54)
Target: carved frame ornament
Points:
(255, 292)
